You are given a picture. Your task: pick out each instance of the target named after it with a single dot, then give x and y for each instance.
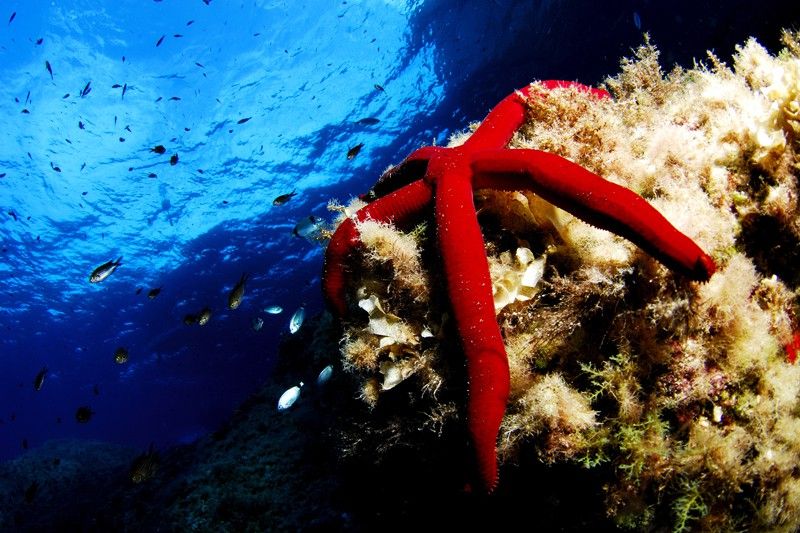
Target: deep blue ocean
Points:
(251, 100)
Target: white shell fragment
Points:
(288, 398)
(297, 319)
(395, 372)
(518, 280)
(390, 328)
(324, 375)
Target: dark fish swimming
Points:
(352, 152)
(83, 414)
(81, 125)
(153, 293)
(13, 215)
(243, 120)
(87, 88)
(237, 293)
(121, 355)
(12, 17)
(283, 198)
(173, 160)
(175, 98)
(103, 271)
(380, 88)
(368, 121)
(145, 466)
(49, 68)
(159, 149)
(204, 316)
(38, 381)
(160, 40)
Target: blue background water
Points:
(305, 73)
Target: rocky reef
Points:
(639, 399)
(678, 400)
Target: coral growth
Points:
(679, 391)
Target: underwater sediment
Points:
(678, 399)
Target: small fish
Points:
(637, 21)
(124, 90)
(274, 309)
(189, 319)
(257, 323)
(25, 112)
(12, 17)
(297, 319)
(379, 88)
(243, 120)
(190, 23)
(177, 35)
(159, 149)
(40, 40)
(175, 98)
(237, 293)
(49, 68)
(83, 414)
(13, 215)
(38, 381)
(87, 88)
(153, 293)
(138, 291)
(159, 98)
(324, 375)
(27, 97)
(81, 125)
(204, 316)
(152, 175)
(288, 398)
(352, 152)
(199, 64)
(173, 160)
(307, 227)
(103, 271)
(145, 466)
(160, 40)
(368, 121)
(283, 198)
(121, 355)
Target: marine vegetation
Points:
(679, 392)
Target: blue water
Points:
(303, 73)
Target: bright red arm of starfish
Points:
(594, 200)
(401, 207)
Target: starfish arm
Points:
(470, 290)
(401, 207)
(506, 117)
(410, 169)
(595, 200)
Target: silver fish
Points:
(297, 319)
(257, 323)
(324, 375)
(308, 227)
(274, 309)
(103, 271)
(288, 398)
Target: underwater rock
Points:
(676, 396)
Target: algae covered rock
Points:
(676, 397)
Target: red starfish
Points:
(447, 176)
